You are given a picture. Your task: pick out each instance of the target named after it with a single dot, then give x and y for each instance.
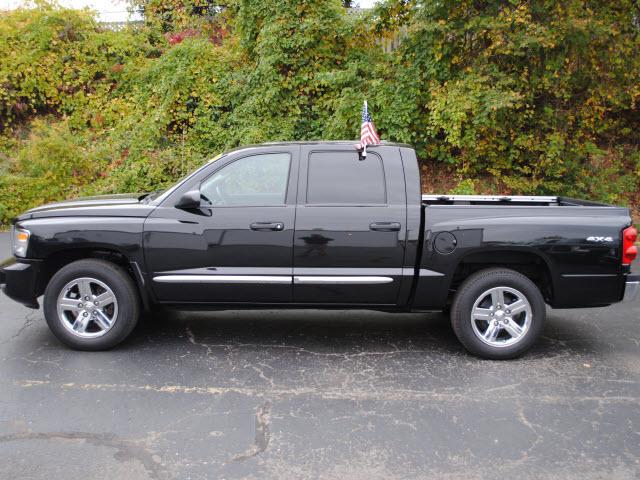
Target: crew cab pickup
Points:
(319, 225)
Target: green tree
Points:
(535, 93)
(508, 96)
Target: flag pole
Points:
(364, 148)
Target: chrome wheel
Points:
(501, 316)
(87, 307)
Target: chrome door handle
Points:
(385, 226)
(265, 226)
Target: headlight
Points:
(20, 241)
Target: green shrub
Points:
(465, 187)
(52, 151)
(19, 193)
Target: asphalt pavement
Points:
(327, 395)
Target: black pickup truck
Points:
(317, 225)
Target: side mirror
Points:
(189, 200)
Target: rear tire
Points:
(498, 314)
(91, 305)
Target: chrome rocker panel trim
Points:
(272, 279)
(258, 279)
(307, 280)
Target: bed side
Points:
(572, 252)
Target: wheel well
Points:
(530, 265)
(54, 262)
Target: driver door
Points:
(237, 246)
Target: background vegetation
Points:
(534, 97)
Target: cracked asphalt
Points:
(327, 395)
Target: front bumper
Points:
(632, 288)
(19, 281)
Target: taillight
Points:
(629, 250)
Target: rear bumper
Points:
(19, 281)
(632, 288)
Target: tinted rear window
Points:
(344, 178)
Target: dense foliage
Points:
(509, 96)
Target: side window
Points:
(250, 181)
(344, 178)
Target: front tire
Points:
(91, 305)
(498, 314)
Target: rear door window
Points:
(343, 178)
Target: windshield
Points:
(159, 195)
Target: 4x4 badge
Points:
(599, 239)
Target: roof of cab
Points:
(350, 143)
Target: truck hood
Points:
(126, 205)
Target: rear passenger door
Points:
(349, 238)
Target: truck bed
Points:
(577, 244)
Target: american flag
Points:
(368, 134)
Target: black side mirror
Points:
(189, 200)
